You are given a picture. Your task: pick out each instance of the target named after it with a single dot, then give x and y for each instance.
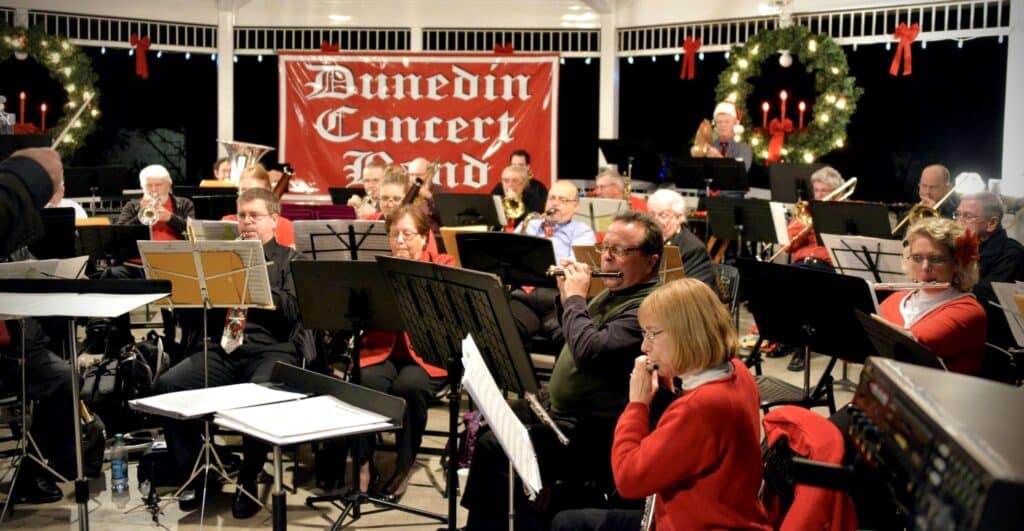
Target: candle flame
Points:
(802, 106)
(765, 106)
(43, 107)
(783, 95)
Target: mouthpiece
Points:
(550, 211)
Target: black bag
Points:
(109, 385)
(93, 445)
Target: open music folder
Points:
(66, 268)
(319, 417)
(196, 403)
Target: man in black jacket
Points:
(669, 209)
(172, 212)
(518, 179)
(267, 336)
(28, 180)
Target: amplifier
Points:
(949, 447)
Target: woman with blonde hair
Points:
(948, 320)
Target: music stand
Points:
(192, 191)
(718, 174)
(442, 305)
(340, 196)
(457, 210)
(852, 218)
(873, 259)
(791, 182)
(214, 206)
(889, 342)
(21, 298)
(59, 234)
(116, 242)
(810, 309)
(731, 218)
(1011, 300)
(518, 259)
(209, 274)
(638, 156)
(598, 212)
(341, 239)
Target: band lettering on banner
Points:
(338, 109)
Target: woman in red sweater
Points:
(388, 363)
(949, 321)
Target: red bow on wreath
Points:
(967, 248)
(503, 49)
(778, 130)
(329, 47)
(141, 47)
(690, 47)
(906, 35)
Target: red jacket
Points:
(378, 346)
(703, 459)
(811, 436)
(954, 331)
(806, 246)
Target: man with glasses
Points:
(1002, 258)
(557, 224)
(588, 387)
(251, 342)
(610, 185)
(669, 209)
(520, 182)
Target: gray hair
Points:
(672, 198)
(519, 170)
(991, 205)
(614, 174)
(946, 177)
(827, 176)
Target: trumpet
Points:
(921, 211)
(802, 211)
(559, 272)
(149, 215)
(908, 286)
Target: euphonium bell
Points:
(513, 206)
(243, 155)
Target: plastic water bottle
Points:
(119, 473)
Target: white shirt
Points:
(67, 203)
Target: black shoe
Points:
(396, 487)
(245, 507)
(34, 489)
(780, 351)
(192, 497)
(796, 363)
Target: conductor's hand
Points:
(576, 280)
(643, 384)
(50, 161)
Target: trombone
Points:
(921, 211)
(802, 211)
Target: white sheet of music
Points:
(205, 229)
(314, 418)
(67, 268)
(511, 433)
(250, 253)
(17, 305)
(850, 256)
(198, 402)
(778, 211)
(1011, 298)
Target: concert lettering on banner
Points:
(467, 111)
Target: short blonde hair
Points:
(259, 173)
(697, 324)
(945, 232)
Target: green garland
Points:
(69, 66)
(837, 90)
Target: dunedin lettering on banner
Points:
(470, 112)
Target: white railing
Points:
(253, 40)
(117, 32)
(568, 42)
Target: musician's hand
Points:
(163, 214)
(355, 201)
(50, 161)
(927, 201)
(425, 191)
(576, 280)
(643, 384)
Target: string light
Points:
(654, 58)
(743, 63)
(131, 52)
(259, 58)
(103, 50)
(808, 157)
(188, 55)
(159, 54)
(586, 61)
(561, 60)
(726, 55)
(629, 59)
(676, 58)
(924, 45)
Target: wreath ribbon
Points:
(690, 47)
(778, 129)
(141, 47)
(906, 35)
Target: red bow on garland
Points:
(329, 47)
(690, 47)
(503, 49)
(141, 47)
(967, 248)
(906, 35)
(778, 130)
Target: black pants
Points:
(123, 321)
(534, 313)
(577, 475)
(248, 363)
(408, 381)
(597, 520)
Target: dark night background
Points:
(949, 110)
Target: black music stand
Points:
(791, 182)
(77, 298)
(441, 306)
(341, 239)
(708, 173)
(59, 238)
(873, 259)
(11, 143)
(889, 342)
(458, 210)
(810, 309)
(731, 218)
(852, 218)
(215, 206)
(349, 297)
(111, 244)
(517, 259)
(99, 181)
(340, 196)
(638, 158)
(212, 191)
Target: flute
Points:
(906, 286)
(559, 272)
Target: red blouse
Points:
(954, 331)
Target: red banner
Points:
(468, 112)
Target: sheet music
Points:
(330, 239)
(16, 305)
(603, 211)
(204, 229)
(862, 256)
(198, 402)
(504, 423)
(499, 205)
(234, 272)
(1011, 298)
(302, 420)
(779, 221)
(67, 268)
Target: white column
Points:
(1013, 115)
(225, 72)
(608, 98)
(416, 39)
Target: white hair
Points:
(153, 171)
(671, 198)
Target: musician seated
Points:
(388, 362)
(222, 169)
(267, 336)
(934, 184)
(702, 460)
(669, 208)
(949, 321)
(610, 185)
(521, 184)
(373, 175)
(424, 198)
(803, 245)
(257, 177)
(1001, 258)
(588, 387)
(59, 201)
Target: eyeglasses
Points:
(966, 216)
(933, 260)
(390, 199)
(559, 200)
(663, 215)
(245, 216)
(405, 235)
(617, 251)
(650, 335)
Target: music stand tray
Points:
(851, 218)
(873, 259)
(457, 210)
(341, 239)
(597, 212)
(889, 342)
(518, 259)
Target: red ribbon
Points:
(966, 248)
(503, 49)
(690, 47)
(329, 47)
(778, 130)
(906, 35)
(141, 47)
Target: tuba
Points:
(243, 155)
(702, 141)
